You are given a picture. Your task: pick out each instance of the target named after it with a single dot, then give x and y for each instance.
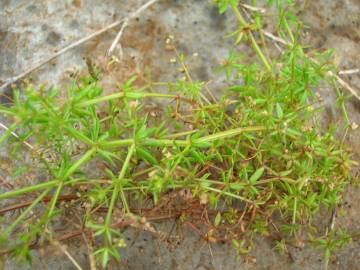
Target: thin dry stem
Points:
(17, 136)
(67, 254)
(117, 39)
(252, 8)
(124, 25)
(349, 71)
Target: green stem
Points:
(118, 187)
(54, 200)
(165, 142)
(146, 142)
(116, 143)
(294, 211)
(276, 179)
(18, 192)
(79, 162)
(228, 134)
(122, 175)
(101, 99)
(131, 95)
(228, 194)
(24, 214)
(252, 39)
(28, 189)
(288, 29)
(181, 134)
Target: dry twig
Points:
(349, 71)
(253, 8)
(63, 250)
(16, 136)
(124, 25)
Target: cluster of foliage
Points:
(260, 144)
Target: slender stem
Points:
(228, 133)
(23, 215)
(137, 95)
(54, 200)
(116, 143)
(252, 39)
(118, 188)
(288, 29)
(276, 179)
(27, 189)
(122, 175)
(131, 95)
(165, 142)
(127, 161)
(79, 162)
(181, 134)
(147, 142)
(101, 99)
(228, 194)
(294, 211)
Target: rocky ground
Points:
(32, 30)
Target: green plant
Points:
(332, 242)
(260, 144)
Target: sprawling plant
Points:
(260, 144)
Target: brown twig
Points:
(27, 203)
(6, 183)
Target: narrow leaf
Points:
(257, 174)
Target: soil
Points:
(33, 30)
